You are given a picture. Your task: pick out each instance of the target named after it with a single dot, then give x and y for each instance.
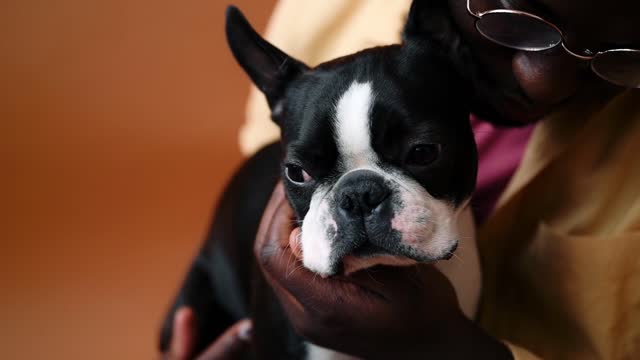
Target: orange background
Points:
(118, 128)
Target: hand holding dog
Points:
(378, 313)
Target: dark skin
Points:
(540, 82)
(413, 311)
(380, 305)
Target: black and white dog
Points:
(378, 160)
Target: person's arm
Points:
(410, 312)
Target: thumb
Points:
(183, 339)
(231, 344)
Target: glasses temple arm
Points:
(471, 11)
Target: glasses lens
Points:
(621, 67)
(519, 31)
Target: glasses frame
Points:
(587, 56)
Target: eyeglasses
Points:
(524, 31)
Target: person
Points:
(559, 224)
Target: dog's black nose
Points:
(361, 193)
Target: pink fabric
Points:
(499, 152)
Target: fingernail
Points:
(245, 331)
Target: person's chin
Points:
(507, 105)
(520, 114)
(517, 109)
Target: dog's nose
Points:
(361, 193)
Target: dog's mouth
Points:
(406, 226)
(369, 255)
(369, 249)
(352, 263)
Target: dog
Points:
(378, 161)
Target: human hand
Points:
(232, 344)
(378, 313)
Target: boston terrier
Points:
(378, 161)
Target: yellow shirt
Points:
(561, 253)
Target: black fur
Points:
(424, 94)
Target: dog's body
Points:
(379, 164)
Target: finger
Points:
(294, 243)
(281, 264)
(275, 202)
(230, 345)
(286, 220)
(282, 267)
(183, 338)
(299, 289)
(275, 229)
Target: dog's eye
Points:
(423, 154)
(296, 174)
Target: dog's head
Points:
(379, 157)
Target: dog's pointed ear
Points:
(430, 23)
(270, 69)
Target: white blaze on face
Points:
(353, 138)
(353, 126)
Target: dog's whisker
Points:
(295, 268)
(292, 259)
(456, 257)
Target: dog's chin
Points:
(369, 255)
(364, 260)
(353, 263)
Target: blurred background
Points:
(118, 130)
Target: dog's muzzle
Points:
(363, 211)
(361, 196)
